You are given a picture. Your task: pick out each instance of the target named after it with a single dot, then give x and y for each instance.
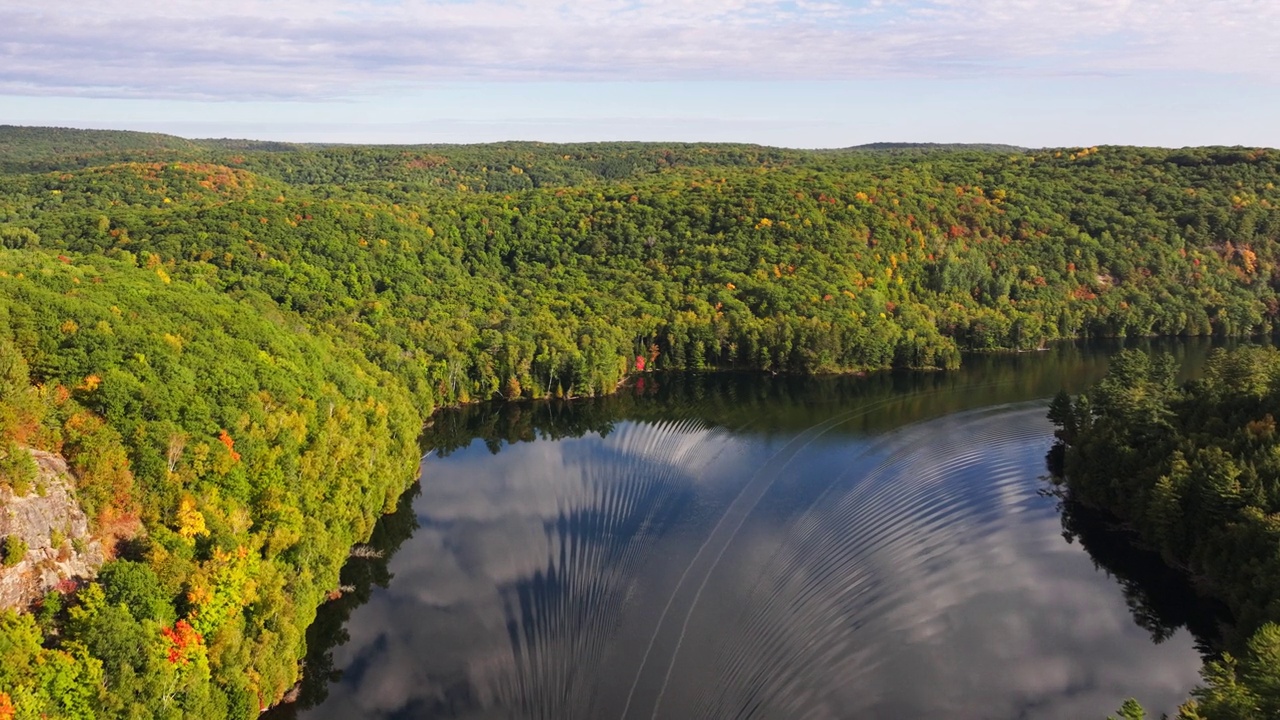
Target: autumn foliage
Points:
(323, 301)
(183, 642)
(225, 439)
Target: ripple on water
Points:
(685, 571)
(820, 613)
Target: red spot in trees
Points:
(182, 639)
(225, 439)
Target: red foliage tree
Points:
(226, 439)
(183, 639)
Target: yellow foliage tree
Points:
(190, 520)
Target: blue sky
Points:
(798, 73)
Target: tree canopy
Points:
(1195, 470)
(235, 343)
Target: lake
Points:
(745, 546)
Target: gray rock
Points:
(50, 512)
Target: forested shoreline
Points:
(1194, 471)
(235, 344)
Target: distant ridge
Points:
(978, 147)
(36, 148)
(26, 149)
(24, 144)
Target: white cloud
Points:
(242, 49)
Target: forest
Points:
(236, 344)
(1194, 471)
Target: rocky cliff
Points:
(48, 521)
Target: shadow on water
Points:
(782, 403)
(563, 615)
(365, 570)
(1161, 599)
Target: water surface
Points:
(753, 547)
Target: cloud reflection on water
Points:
(912, 574)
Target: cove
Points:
(745, 546)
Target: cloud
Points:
(248, 49)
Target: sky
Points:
(795, 73)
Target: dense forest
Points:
(1194, 471)
(236, 343)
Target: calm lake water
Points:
(755, 547)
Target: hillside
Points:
(234, 344)
(40, 147)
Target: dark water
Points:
(734, 547)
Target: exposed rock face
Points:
(49, 514)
